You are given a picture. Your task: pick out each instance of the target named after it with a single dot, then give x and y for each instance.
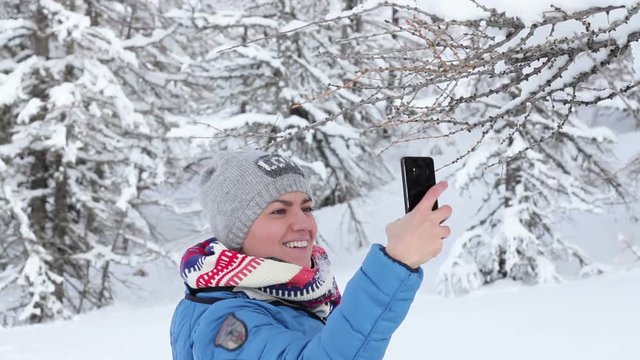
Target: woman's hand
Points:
(417, 237)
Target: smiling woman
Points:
(262, 289)
(286, 230)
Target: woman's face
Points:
(285, 230)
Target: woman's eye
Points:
(279, 212)
(308, 209)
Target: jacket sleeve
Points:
(375, 302)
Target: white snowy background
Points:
(595, 318)
(590, 318)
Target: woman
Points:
(262, 289)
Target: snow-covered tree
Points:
(86, 93)
(90, 91)
(516, 85)
(445, 65)
(515, 235)
(275, 69)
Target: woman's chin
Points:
(301, 257)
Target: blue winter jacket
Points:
(374, 303)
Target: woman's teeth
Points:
(297, 244)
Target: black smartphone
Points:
(418, 176)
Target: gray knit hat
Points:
(238, 185)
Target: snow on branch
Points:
(546, 60)
(220, 19)
(445, 63)
(142, 41)
(442, 66)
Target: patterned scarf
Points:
(210, 264)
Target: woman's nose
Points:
(302, 221)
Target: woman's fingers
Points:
(443, 213)
(444, 231)
(418, 236)
(430, 198)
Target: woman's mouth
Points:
(296, 244)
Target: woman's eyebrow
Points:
(290, 203)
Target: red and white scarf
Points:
(210, 264)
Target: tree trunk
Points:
(60, 247)
(6, 116)
(92, 13)
(41, 37)
(38, 204)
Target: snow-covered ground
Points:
(597, 319)
(589, 319)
